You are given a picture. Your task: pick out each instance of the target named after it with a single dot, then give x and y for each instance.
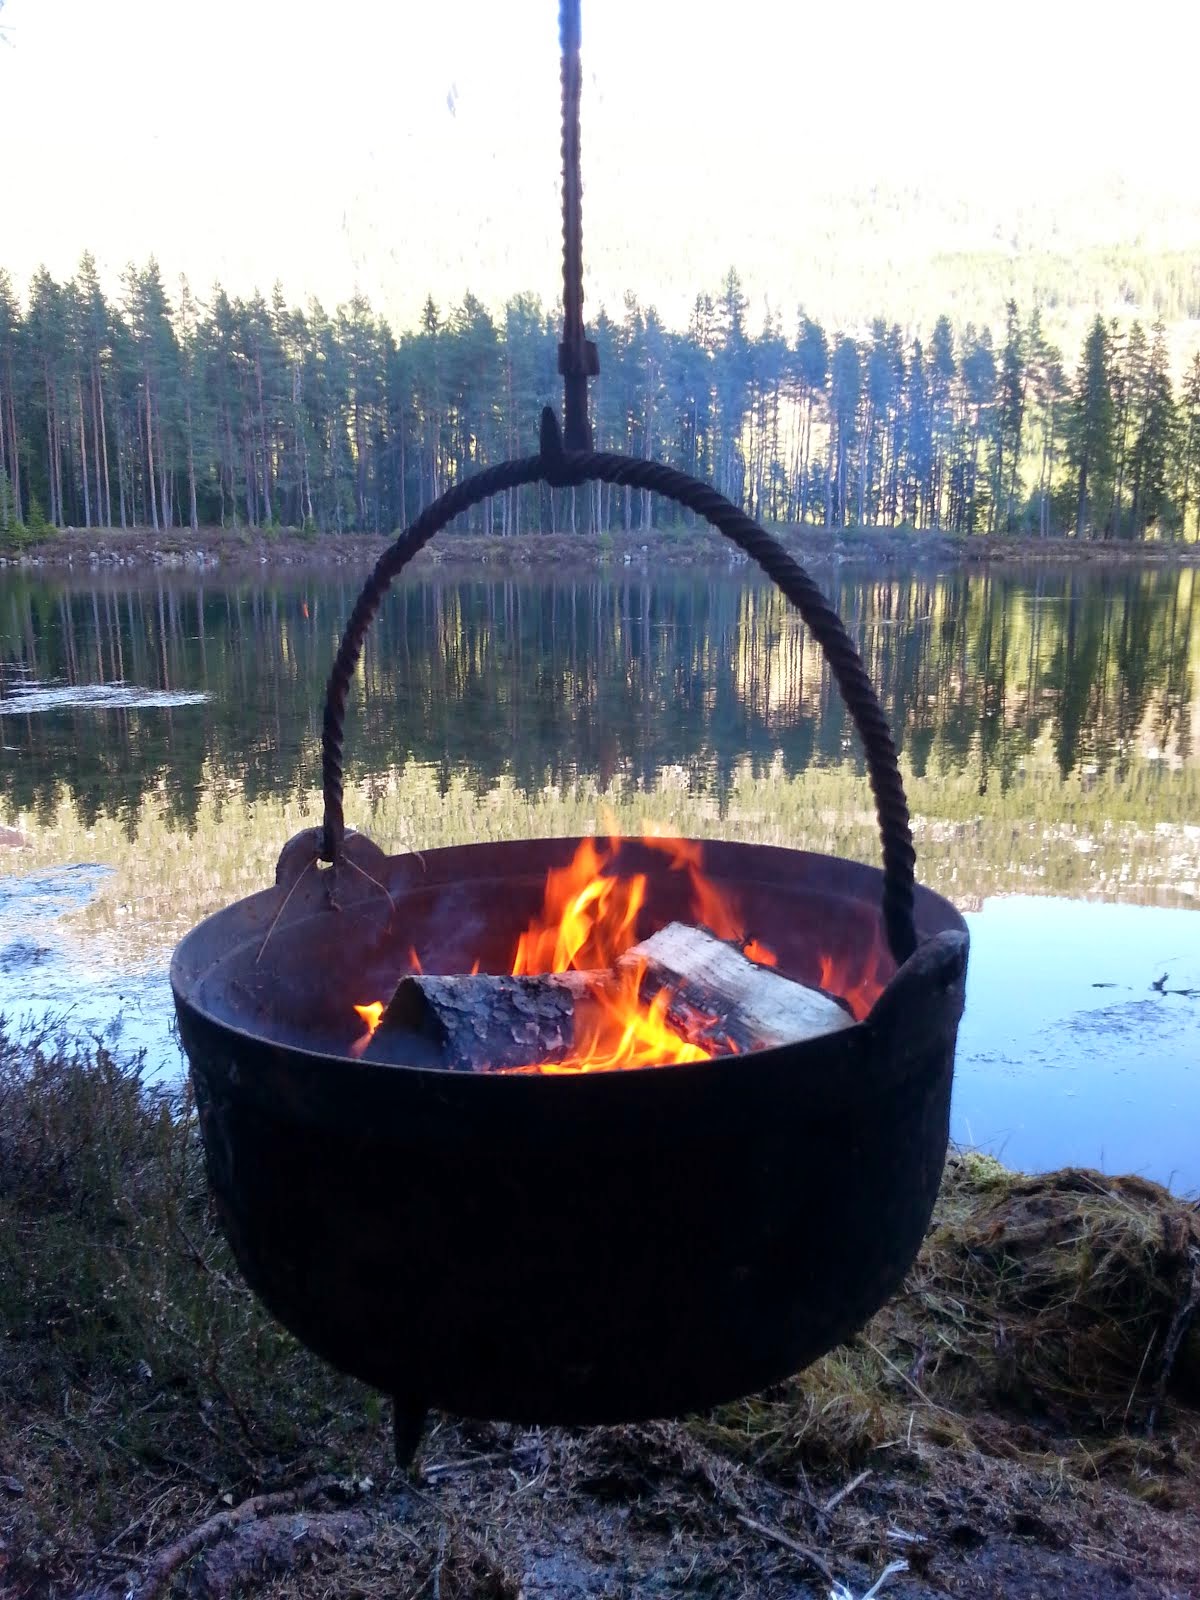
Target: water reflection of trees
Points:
(615, 677)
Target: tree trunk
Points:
(865, 464)
(230, 467)
(58, 473)
(83, 461)
(267, 509)
(121, 468)
(96, 449)
(191, 465)
(165, 495)
(251, 479)
(104, 451)
(50, 452)
(1187, 485)
(805, 454)
(403, 475)
(150, 458)
(829, 479)
(14, 453)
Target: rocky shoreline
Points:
(240, 549)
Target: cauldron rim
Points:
(184, 985)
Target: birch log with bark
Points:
(722, 999)
(718, 999)
(485, 1021)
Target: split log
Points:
(717, 999)
(723, 1000)
(485, 1020)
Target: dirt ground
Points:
(496, 1514)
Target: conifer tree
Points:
(1188, 434)
(1152, 442)
(1090, 443)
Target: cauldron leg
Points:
(408, 1428)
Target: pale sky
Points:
(405, 146)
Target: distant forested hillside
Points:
(915, 254)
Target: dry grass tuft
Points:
(1048, 1300)
(1062, 1290)
(139, 1379)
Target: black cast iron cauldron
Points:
(578, 1248)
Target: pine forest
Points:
(153, 409)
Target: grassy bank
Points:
(680, 546)
(1023, 1419)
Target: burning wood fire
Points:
(584, 995)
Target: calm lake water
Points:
(160, 734)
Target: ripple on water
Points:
(27, 698)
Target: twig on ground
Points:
(836, 1499)
(441, 1469)
(1138, 1376)
(907, 1379)
(131, 1528)
(206, 1478)
(778, 1536)
(167, 1562)
(903, 1536)
(440, 1563)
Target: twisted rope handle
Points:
(578, 359)
(568, 469)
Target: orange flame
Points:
(858, 983)
(588, 921)
(370, 1014)
(588, 918)
(760, 953)
(710, 908)
(616, 1031)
